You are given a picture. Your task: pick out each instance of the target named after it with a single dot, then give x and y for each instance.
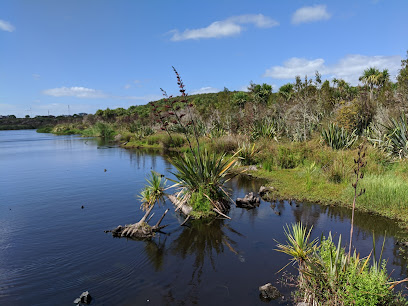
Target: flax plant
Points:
(200, 175)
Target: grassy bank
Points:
(324, 176)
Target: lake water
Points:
(51, 250)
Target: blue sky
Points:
(96, 54)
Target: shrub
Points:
(142, 132)
(45, 129)
(228, 144)
(104, 130)
(287, 158)
(175, 141)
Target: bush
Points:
(225, 144)
(104, 130)
(287, 158)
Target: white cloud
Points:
(203, 90)
(6, 26)
(310, 14)
(348, 68)
(295, 66)
(228, 27)
(36, 76)
(78, 92)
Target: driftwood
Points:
(141, 229)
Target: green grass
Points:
(386, 194)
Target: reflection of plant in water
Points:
(204, 239)
(155, 251)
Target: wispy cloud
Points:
(203, 90)
(89, 93)
(6, 26)
(224, 28)
(78, 92)
(136, 83)
(36, 76)
(310, 14)
(348, 68)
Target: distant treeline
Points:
(12, 123)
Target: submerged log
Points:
(141, 229)
(249, 201)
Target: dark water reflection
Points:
(51, 250)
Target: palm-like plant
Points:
(154, 190)
(372, 77)
(298, 246)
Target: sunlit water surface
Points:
(51, 250)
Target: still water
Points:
(51, 250)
